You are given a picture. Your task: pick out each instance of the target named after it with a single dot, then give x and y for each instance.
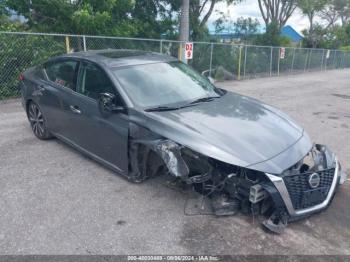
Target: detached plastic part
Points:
(222, 206)
(257, 193)
(170, 152)
(343, 175)
(275, 223)
(169, 155)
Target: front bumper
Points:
(294, 213)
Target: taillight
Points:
(21, 77)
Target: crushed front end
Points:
(306, 187)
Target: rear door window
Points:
(63, 73)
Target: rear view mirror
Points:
(107, 104)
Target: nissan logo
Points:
(314, 180)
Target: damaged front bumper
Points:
(303, 193)
(299, 192)
(286, 197)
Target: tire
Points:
(37, 122)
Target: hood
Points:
(234, 129)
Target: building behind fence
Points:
(19, 51)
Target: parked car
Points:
(145, 114)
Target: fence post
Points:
(245, 61)
(161, 46)
(271, 61)
(342, 60)
(84, 43)
(67, 45)
(293, 60)
(310, 58)
(278, 61)
(179, 55)
(239, 63)
(322, 60)
(211, 57)
(306, 60)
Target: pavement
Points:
(53, 200)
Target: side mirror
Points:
(206, 74)
(211, 80)
(107, 104)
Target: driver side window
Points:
(93, 81)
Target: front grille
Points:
(300, 192)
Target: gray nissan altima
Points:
(145, 114)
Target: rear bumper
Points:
(293, 213)
(21, 89)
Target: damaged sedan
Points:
(144, 114)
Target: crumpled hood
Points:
(235, 129)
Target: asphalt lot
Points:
(53, 200)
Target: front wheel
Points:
(37, 122)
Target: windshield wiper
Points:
(168, 108)
(161, 108)
(204, 99)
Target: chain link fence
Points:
(19, 51)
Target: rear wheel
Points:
(37, 122)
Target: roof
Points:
(290, 32)
(121, 57)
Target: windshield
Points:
(163, 84)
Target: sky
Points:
(250, 8)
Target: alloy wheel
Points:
(37, 121)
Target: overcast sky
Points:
(250, 8)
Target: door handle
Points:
(75, 109)
(42, 88)
(38, 90)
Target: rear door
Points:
(57, 88)
(106, 138)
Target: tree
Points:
(44, 15)
(276, 12)
(311, 8)
(136, 18)
(329, 14)
(342, 7)
(272, 37)
(242, 27)
(6, 24)
(200, 12)
(3, 10)
(152, 18)
(245, 27)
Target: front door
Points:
(106, 138)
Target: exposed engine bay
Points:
(229, 188)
